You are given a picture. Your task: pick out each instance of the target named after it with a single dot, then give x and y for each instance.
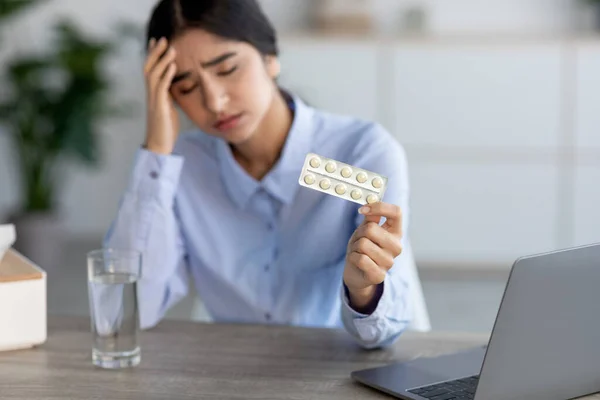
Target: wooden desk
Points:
(183, 360)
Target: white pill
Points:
(325, 184)
(340, 189)
(315, 162)
(356, 194)
(361, 177)
(377, 182)
(309, 179)
(330, 167)
(346, 172)
(372, 199)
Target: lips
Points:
(229, 122)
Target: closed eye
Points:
(228, 72)
(188, 90)
(222, 73)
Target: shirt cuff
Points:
(367, 325)
(156, 175)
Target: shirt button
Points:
(154, 174)
(268, 316)
(267, 268)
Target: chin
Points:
(235, 137)
(238, 135)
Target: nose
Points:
(215, 97)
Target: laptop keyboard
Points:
(452, 390)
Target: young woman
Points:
(222, 204)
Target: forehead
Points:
(197, 45)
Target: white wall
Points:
(90, 196)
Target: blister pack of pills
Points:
(342, 180)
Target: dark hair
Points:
(239, 20)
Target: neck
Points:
(259, 154)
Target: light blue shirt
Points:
(268, 251)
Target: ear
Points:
(273, 66)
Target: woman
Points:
(223, 204)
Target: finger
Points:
(371, 272)
(391, 212)
(155, 54)
(382, 258)
(358, 233)
(361, 231)
(381, 237)
(167, 79)
(372, 218)
(160, 69)
(386, 240)
(156, 49)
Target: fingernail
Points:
(364, 210)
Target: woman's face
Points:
(225, 87)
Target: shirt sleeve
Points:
(393, 312)
(147, 221)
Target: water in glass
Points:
(112, 288)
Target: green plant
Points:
(8, 8)
(51, 109)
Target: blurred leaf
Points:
(27, 73)
(6, 110)
(81, 137)
(81, 56)
(9, 8)
(75, 116)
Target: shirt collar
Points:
(282, 181)
(239, 185)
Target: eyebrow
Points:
(215, 61)
(218, 60)
(180, 77)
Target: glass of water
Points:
(114, 314)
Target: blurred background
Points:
(496, 102)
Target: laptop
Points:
(545, 344)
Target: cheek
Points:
(253, 84)
(193, 107)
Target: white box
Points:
(22, 303)
(7, 238)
